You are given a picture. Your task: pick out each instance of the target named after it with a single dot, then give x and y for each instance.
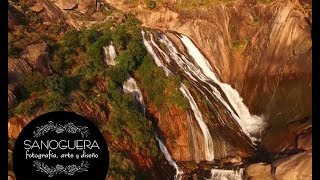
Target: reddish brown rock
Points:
(12, 99)
(305, 141)
(17, 68)
(300, 126)
(297, 166)
(11, 175)
(37, 54)
(15, 126)
(66, 4)
(259, 171)
(85, 6)
(37, 7)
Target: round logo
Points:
(60, 145)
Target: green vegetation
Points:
(202, 3)
(126, 120)
(56, 83)
(264, 1)
(28, 107)
(240, 45)
(151, 4)
(33, 82)
(160, 89)
(80, 79)
(121, 167)
(256, 19)
(54, 101)
(13, 51)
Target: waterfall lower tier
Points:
(208, 144)
(131, 86)
(221, 174)
(166, 154)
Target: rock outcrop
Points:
(12, 99)
(37, 7)
(17, 68)
(16, 124)
(259, 171)
(84, 6)
(297, 135)
(37, 55)
(297, 166)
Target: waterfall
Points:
(251, 125)
(166, 154)
(208, 144)
(199, 73)
(131, 86)
(194, 139)
(149, 48)
(110, 54)
(221, 174)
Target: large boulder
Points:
(298, 166)
(295, 167)
(37, 55)
(66, 4)
(15, 126)
(305, 141)
(258, 171)
(83, 6)
(37, 7)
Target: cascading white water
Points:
(222, 174)
(166, 154)
(208, 144)
(131, 86)
(194, 139)
(197, 70)
(149, 48)
(251, 125)
(110, 54)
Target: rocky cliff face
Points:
(258, 48)
(263, 50)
